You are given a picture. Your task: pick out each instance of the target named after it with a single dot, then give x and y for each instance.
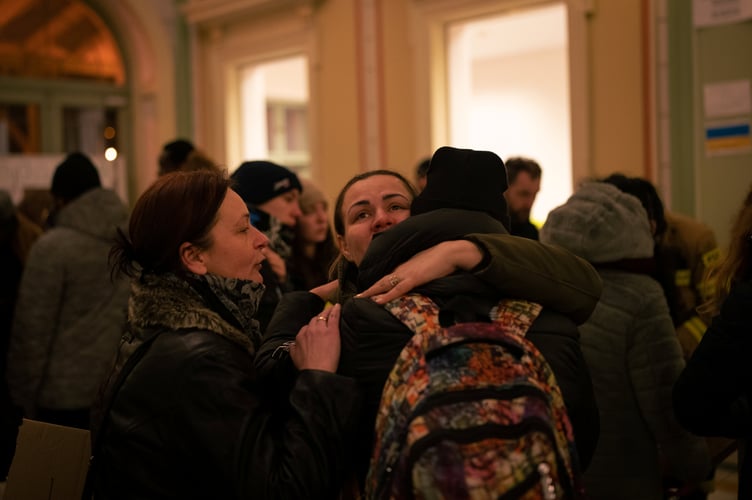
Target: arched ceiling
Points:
(60, 39)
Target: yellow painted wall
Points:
(335, 86)
(402, 151)
(616, 105)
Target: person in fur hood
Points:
(182, 414)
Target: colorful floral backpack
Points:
(471, 411)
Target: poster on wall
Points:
(728, 98)
(719, 12)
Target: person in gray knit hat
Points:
(630, 346)
(70, 312)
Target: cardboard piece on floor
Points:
(50, 462)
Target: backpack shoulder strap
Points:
(418, 312)
(515, 316)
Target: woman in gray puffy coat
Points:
(630, 347)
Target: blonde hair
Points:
(310, 195)
(735, 266)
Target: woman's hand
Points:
(317, 345)
(436, 262)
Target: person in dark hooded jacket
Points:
(70, 313)
(272, 194)
(458, 237)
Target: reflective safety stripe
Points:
(682, 277)
(696, 327)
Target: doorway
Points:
(509, 92)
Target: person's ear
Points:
(192, 258)
(342, 244)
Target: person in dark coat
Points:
(271, 193)
(17, 234)
(516, 267)
(713, 393)
(524, 183)
(187, 417)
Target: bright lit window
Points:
(274, 116)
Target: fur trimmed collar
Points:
(167, 302)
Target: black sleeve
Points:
(372, 340)
(10, 421)
(273, 364)
(557, 339)
(223, 425)
(711, 396)
(305, 452)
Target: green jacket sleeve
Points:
(547, 274)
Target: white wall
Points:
(521, 108)
(35, 171)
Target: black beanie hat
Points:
(466, 179)
(260, 181)
(74, 176)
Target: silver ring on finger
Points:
(393, 280)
